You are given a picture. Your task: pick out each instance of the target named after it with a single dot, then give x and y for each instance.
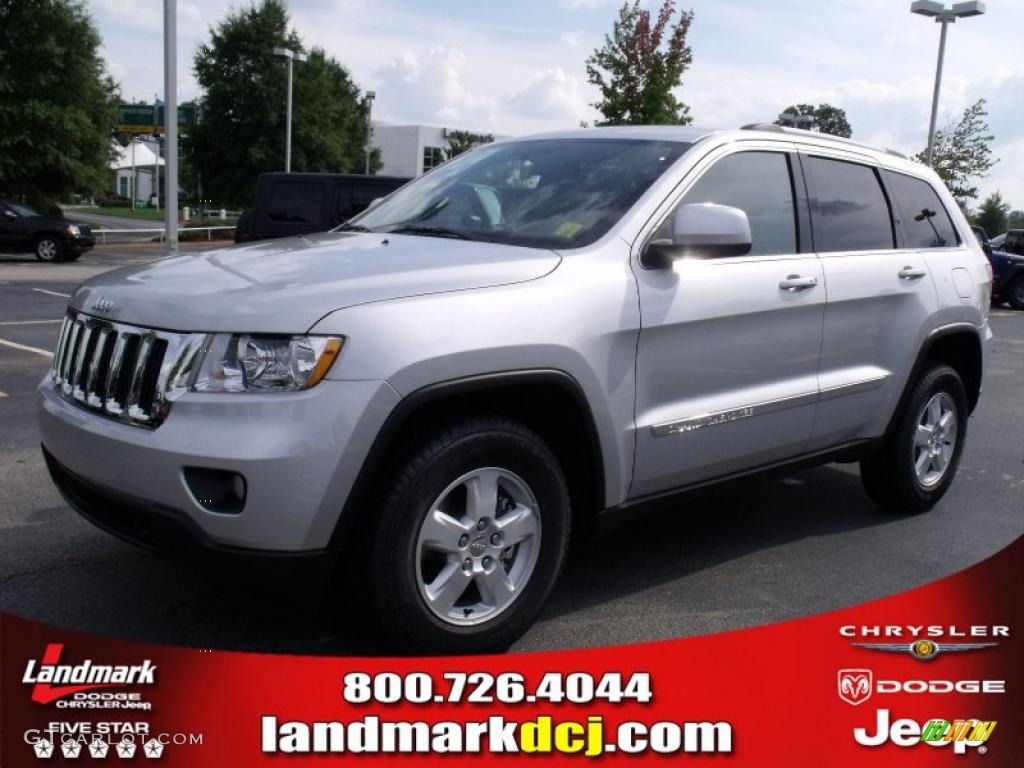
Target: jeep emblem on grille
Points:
(103, 306)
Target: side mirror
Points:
(701, 230)
(375, 202)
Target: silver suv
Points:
(533, 335)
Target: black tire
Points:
(1015, 294)
(889, 476)
(404, 498)
(49, 249)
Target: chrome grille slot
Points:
(123, 372)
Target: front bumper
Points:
(299, 454)
(81, 243)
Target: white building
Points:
(410, 150)
(134, 168)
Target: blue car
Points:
(1007, 272)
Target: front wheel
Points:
(49, 249)
(468, 539)
(917, 464)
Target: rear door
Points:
(728, 353)
(881, 298)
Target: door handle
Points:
(912, 273)
(797, 283)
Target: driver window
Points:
(761, 185)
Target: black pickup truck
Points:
(23, 229)
(297, 203)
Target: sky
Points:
(513, 68)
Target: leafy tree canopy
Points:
(824, 118)
(463, 141)
(242, 130)
(639, 64)
(962, 151)
(58, 105)
(992, 216)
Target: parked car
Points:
(299, 203)
(997, 241)
(502, 353)
(1014, 242)
(1007, 273)
(23, 229)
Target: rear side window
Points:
(296, 201)
(760, 184)
(925, 221)
(852, 212)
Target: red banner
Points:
(932, 676)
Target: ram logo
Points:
(855, 685)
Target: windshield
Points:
(545, 193)
(23, 210)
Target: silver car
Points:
(538, 333)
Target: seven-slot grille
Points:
(120, 371)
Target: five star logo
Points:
(126, 749)
(98, 748)
(153, 748)
(71, 749)
(43, 749)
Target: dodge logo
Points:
(855, 685)
(102, 305)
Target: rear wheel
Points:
(468, 539)
(1015, 294)
(49, 248)
(917, 464)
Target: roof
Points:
(143, 156)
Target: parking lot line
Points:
(28, 322)
(2, 394)
(26, 348)
(53, 293)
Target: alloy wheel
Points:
(478, 546)
(935, 440)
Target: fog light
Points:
(216, 490)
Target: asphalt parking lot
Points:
(730, 558)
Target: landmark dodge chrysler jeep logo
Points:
(86, 676)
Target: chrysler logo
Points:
(102, 305)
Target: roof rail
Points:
(773, 128)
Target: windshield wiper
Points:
(352, 228)
(429, 232)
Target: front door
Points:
(729, 347)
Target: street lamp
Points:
(944, 16)
(291, 57)
(370, 96)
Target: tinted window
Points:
(852, 212)
(760, 184)
(296, 201)
(545, 193)
(926, 223)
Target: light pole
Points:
(171, 124)
(370, 96)
(291, 57)
(944, 16)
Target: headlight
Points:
(250, 363)
(73, 231)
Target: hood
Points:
(286, 286)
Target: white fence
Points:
(161, 232)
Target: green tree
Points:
(58, 105)
(242, 129)
(824, 118)
(463, 141)
(992, 216)
(638, 66)
(962, 151)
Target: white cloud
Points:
(552, 95)
(572, 39)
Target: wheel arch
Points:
(551, 402)
(957, 345)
